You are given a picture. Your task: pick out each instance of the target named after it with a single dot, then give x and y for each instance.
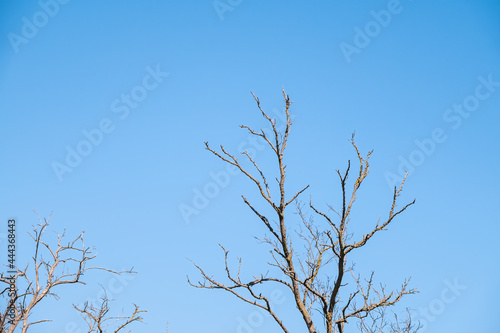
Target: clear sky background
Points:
(396, 87)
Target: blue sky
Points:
(154, 80)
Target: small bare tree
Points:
(52, 267)
(98, 320)
(309, 278)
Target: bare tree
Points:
(309, 278)
(98, 320)
(52, 267)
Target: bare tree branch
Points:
(313, 287)
(97, 318)
(51, 267)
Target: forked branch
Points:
(313, 287)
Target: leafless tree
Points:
(98, 320)
(309, 278)
(51, 267)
